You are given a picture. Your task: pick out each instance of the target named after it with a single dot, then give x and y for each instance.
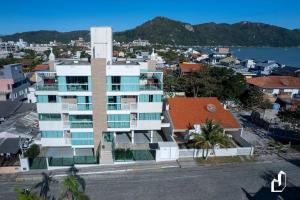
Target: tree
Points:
(26, 194)
(211, 135)
(72, 190)
(207, 82)
(33, 151)
(252, 97)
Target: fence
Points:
(73, 160)
(186, 153)
(122, 155)
(38, 163)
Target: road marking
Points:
(119, 171)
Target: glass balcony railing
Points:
(76, 107)
(47, 87)
(118, 124)
(82, 141)
(122, 106)
(81, 124)
(153, 86)
(63, 88)
(134, 87)
(77, 87)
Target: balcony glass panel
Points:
(81, 124)
(46, 87)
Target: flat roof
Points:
(9, 145)
(125, 63)
(73, 62)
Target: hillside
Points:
(45, 36)
(166, 31)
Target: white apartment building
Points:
(88, 109)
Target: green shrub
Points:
(33, 151)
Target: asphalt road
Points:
(232, 182)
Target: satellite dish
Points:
(211, 108)
(285, 82)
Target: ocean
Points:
(286, 56)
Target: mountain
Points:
(166, 31)
(44, 36)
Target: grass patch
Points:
(224, 159)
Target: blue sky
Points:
(66, 15)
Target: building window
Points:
(52, 134)
(52, 99)
(88, 118)
(49, 117)
(47, 99)
(112, 99)
(82, 138)
(77, 80)
(150, 98)
(118, 121)
(149, 116)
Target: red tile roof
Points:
(41, 68)
(273, 82)
(187, 111)
(190, 67)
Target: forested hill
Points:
(166, 31)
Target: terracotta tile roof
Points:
(273, 82)
(190, 67)
(41, 68)
(187, 111)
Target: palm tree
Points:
(211, 135)
(73, 189)
(26, 194)
(44, 185)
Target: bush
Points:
(33, 151)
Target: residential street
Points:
(233, 181)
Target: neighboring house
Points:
(13, 83)
(90, 108)
(38, 68)
(229, 61)
(188, 68)
(18, 126)
(244, 71)
(219, 54)
(266, 68)
(188, 114)
(248, 63)
(277, 85)
(31, 98)
(141, 55)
